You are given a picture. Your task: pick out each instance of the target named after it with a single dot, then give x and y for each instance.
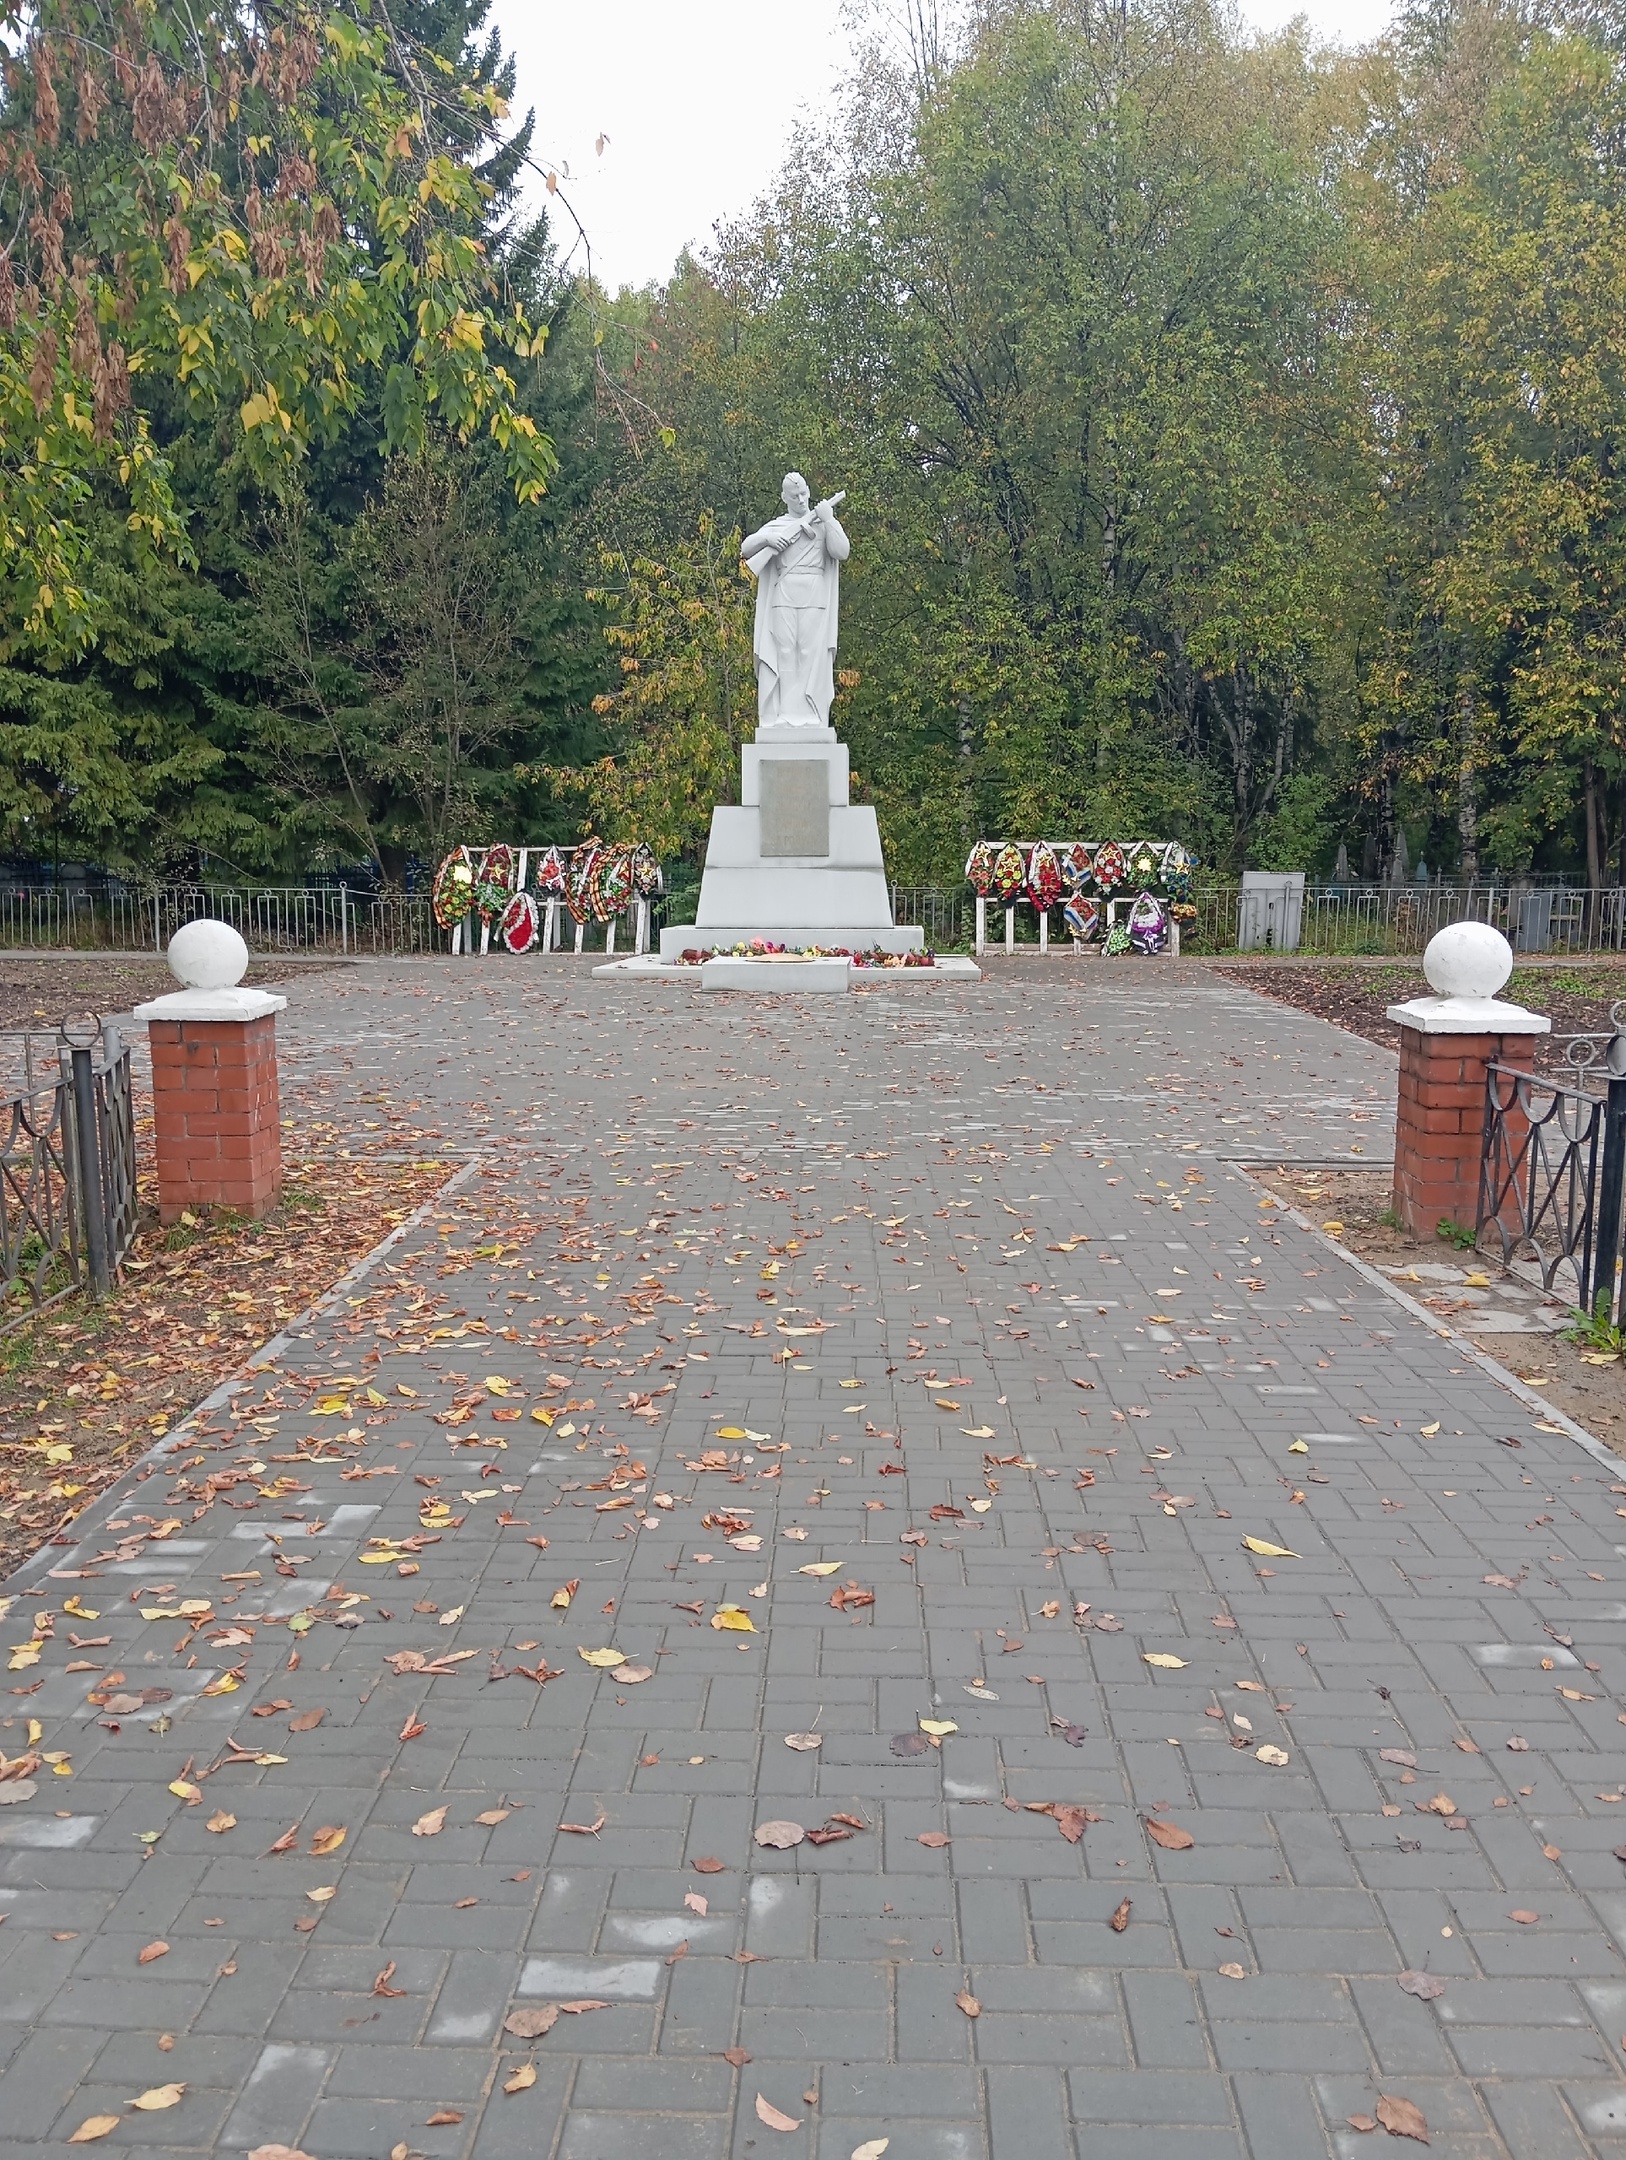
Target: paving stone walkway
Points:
(956, 1297)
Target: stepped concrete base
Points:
(773, 978)
(857, 937)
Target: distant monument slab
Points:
(795, 807)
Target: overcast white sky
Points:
(699, 100)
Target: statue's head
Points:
(796, 494)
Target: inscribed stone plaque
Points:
(795, 806)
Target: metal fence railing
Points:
(67, 1174)
(1349, 919)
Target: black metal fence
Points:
(1552, 1181)
(67, 1174)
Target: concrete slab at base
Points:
(857, 937)
(770, 976)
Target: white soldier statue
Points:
(797, 562)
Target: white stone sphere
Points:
(206, 955)
(1468, 960)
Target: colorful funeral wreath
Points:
(1010, 871)
(1143, 863)
(1082, 917)
(1117, 940)
(579, 884)
(518, 926)
(494, 881)
(1077, 866)
(1109, 866)
(1148, 925)
(1044, 879)
(611, 883)
(452, 893)
(979, 869)
(550, 875)
(646, 871)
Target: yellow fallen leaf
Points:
(851, 1383)
(328, 1840)
(1270, 1552)
(1299, 1447)
(430, 1825)
(23, 1655)
(320, 1897)
(220, 1821)
(978, 1432)
(820, 1567)
(371, 1395)
(81, 1612)
(938, 1726)
(606, 1658)
(332, 1406)
(522, 2080)
(93, 2127)
(543, 1417)
(560, 1600)
(981, 1507)
(184, 1789)
(225, 1684)
(1162, 1657)
(495, 1384)
(1333, 1229)
(410, 1393)
(730, 1616)
(1428, 1431)
(732, 1432)
(450, 1619)
(159, 2096)
(943, 1402)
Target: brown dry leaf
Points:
(737, 2056)
(1169, 1835)
(1233, 1972)
(575, 2009)
(1120, 1918)
(430, 1825)
(1070, 1822)
(1402, 2118)
(696, 1903)
(531, 2024)
(153, 1950)
(1427, 1987)
(92, 2128)
(220, 1821)
(804, 1742)
(707, 1866)
(522, 2080)
(780, 1835)
(586, 1829)
(774, 2117)
(294, 2152)
(327, 1840)
(1441, 1804)
(494, 1815)
(381, 1986)
(1362, 2122)
(157, 2097)
(933, 1838)
(1552, 1852)
(442, 2115)
(307, 1721)
(1524, 1918)
(969, 2003)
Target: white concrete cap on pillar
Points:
(210, 959)
(1466, 964)
(208, 955)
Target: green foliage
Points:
(1461, 1235)
(1596, 1330)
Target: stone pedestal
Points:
(795, 862)
(1446, 1044)
(216, 1109)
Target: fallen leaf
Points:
(780, 1835)
(220, 1821)
(969, 2003)
(152, 1951)
(332, 1835)
(1524, 1918)
(1162, 1659)
(933, 1838)
(1401, 2118)
(1427, 1987)
(820, 1567)
(775, 2120)
(730, 1616)
(604, 1658)
(1428, 1431)
(576, 2009)
(632, 1675)
(493, 1816)
(93, 2127)
(531, 2024)
(804, 1742)
(430, 1825)
(442, 2115)
(737, 2056)
(323, 1896)
(586, 1829)
(157, 2097)
(696, 1903)
(1269, 1551)
(560, 1600)
(381, 1981)
(1362, 2122)
(938, 1727)
(1169, 1835)
(872, 2150)
(1275, 1756)
(522, 2080)
(1400, 1755)
(708, 1866)
(1233, 1972)
(1120, 1918)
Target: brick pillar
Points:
(1440, 1119)
(217, 1122)
(216, 1114)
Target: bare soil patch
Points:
(36, 990)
